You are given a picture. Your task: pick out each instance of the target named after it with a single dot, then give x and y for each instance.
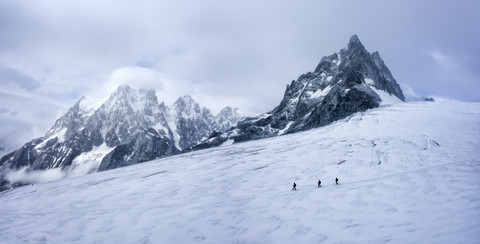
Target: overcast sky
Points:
(239, 53)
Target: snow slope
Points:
(409, 173)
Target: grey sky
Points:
(240, 53)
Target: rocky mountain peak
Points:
(354, 43)
(354, 40)
(186, 106)
(148, 95)
(227, 118)
(229, 111)
(123, 96)
(355, 51)
(127, 98)
(349, 81)
(185, 101)
(123, 91)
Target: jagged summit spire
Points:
(354, 43)
(354, 38)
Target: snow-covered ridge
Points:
(407, 173)
(129, 127)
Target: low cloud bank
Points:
(26, 175)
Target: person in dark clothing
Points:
(336, 180)
(294, 186)
(319, 183)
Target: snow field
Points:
(407, 173)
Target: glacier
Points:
(408, 173)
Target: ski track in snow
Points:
(407, 173)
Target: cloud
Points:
(27, 176)
(410, 94)
(241, 53)
(12, 75)
(438, 57)
(4, 110)
(169, 89)
(452, 78)
(24, 115)
(443, 61)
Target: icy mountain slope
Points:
(409, 173)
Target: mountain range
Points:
(129, 127)
(132, 126)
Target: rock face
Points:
(343, 83)
(194, 123)
(128, 128)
